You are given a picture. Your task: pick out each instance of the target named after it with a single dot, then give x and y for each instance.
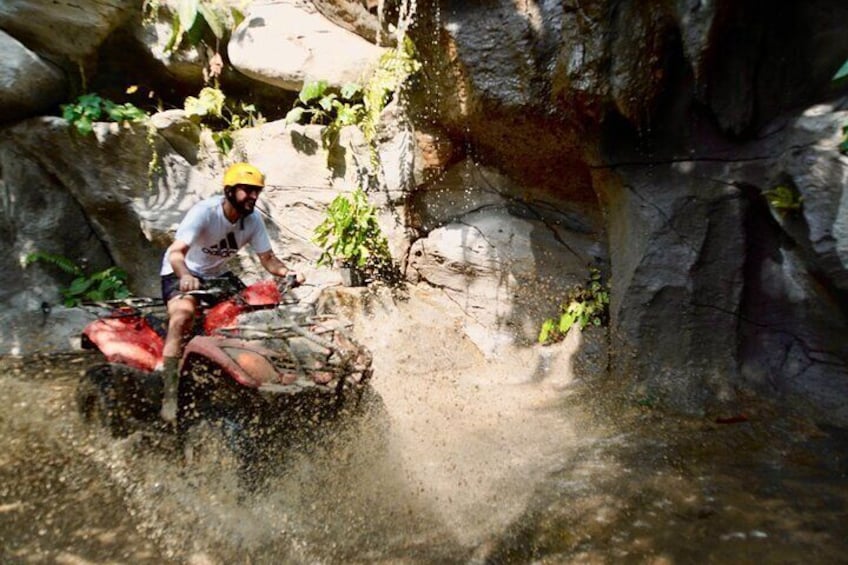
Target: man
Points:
(212, 231)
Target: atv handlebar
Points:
(215, 288)
(288, 282)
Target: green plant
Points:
(108, 284)
(211, 109)
(319, 103)
(842, 72)
(90, 108)
(783, 198)
(193, 18)
(396, 66)
(350, 234)
(584, 305)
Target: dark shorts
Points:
(171, 285)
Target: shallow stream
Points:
(469, 466)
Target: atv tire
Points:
(97, 401)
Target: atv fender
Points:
(246, 362)
(259, 295)
(128, 340)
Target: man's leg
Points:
(180, 319)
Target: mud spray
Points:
(446, 454)
(459, 458)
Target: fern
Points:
(65, 264)
(108, 284)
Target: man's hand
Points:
(188, 283)
(293, 279)
(276, 267)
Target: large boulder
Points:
(508, 261)
(733, 57)
(70, 30)
(360, 17)
(29, 85)
(122, 208)
(722, 289)
(288, 43)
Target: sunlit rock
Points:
(360, 17)
(287, 44)
(507, 266)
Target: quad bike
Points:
(258, 367)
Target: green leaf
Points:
(326, 101)
(195, 33)
(842, 72)
(351, 91)
(546, 333)
(312, 91)
(78, 286)
(124, 112)
(223, 140)
(348, 115)
(238, 16)
(187, 12)
(84, 125)
(215, 18)
(210, 102)
(565, 322)
(295, 115)
(65, 264)
(90, 104)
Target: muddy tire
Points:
(216, 453)
(97, 401)
(205, 447)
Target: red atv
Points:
(258, 367)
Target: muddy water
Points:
(458, 466)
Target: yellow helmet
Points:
(244, 173)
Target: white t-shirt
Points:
(213, 239)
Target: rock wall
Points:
(540, 138)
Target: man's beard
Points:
(239, 206)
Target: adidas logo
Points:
(225, 248)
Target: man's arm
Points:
(276, 267)
(176, 257)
